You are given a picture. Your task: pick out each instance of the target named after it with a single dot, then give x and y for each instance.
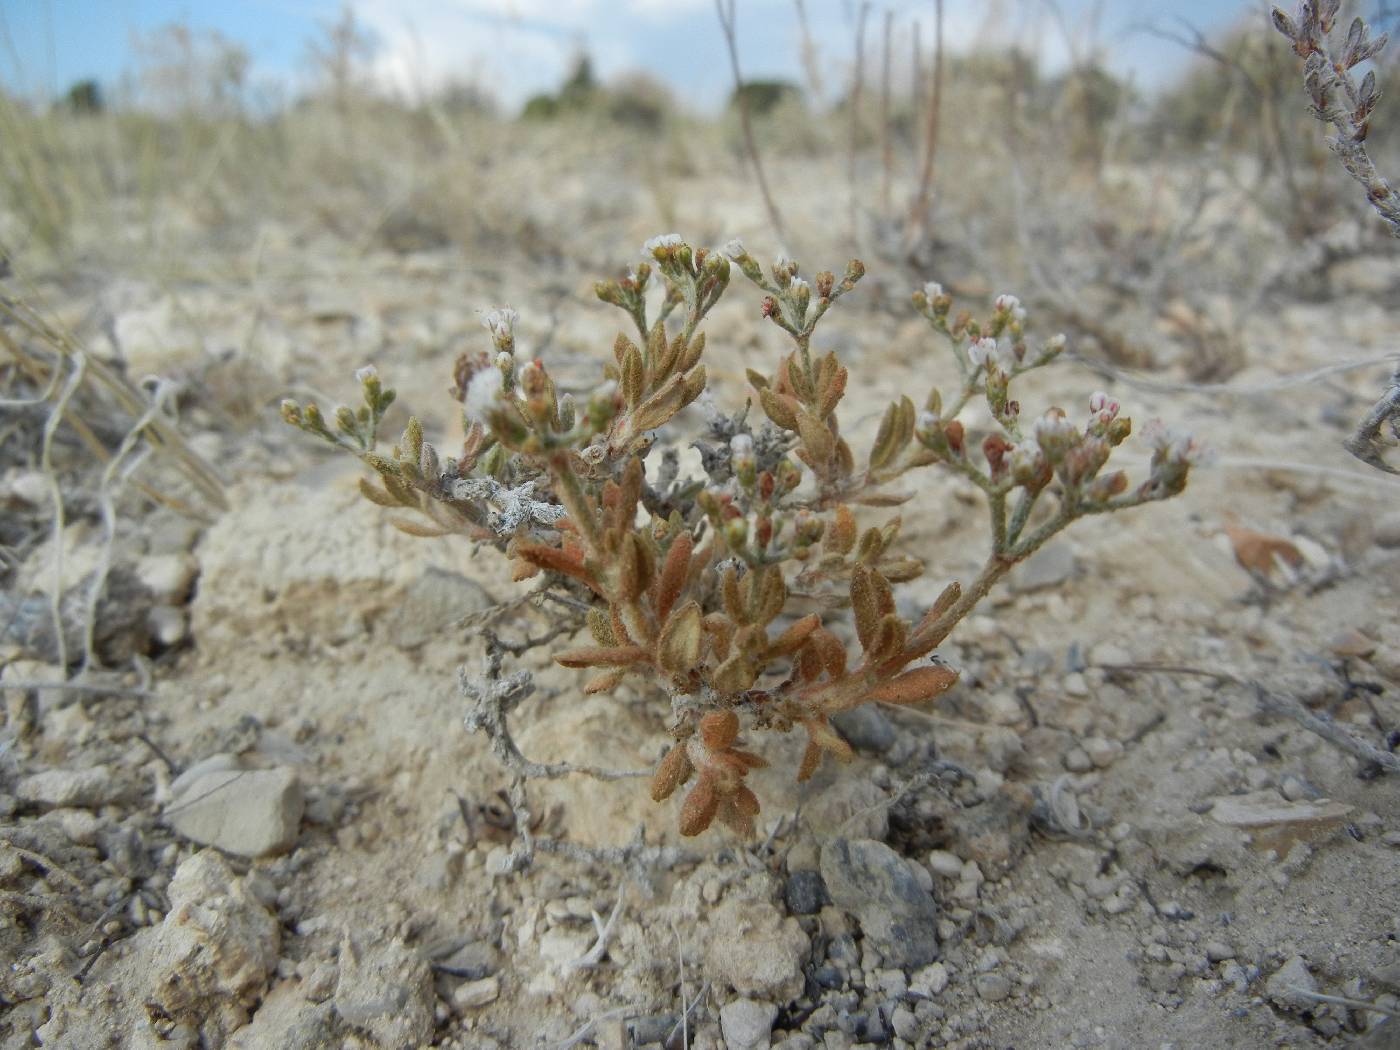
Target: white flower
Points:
(1010, 305)
(734, 249)
(1053, 428)
(927, 421)
(1102, 407)
(986, 351)
(1025, 459)
(662, 242)
(932, 290)
(482, 391)
(741, 446)
(365, 374)
(500, 322)
(1175, 446)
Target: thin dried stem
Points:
(919, 207)
(728, 25)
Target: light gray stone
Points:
(747, 1024)
(62, 788)
(1290, 979)
(249, 812)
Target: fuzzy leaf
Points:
(698, 810)
(781, 410)
(673, 771)
(719, 729)
(377, 496)
(420, 529)
(674, 573)
(601, 656)
(826, 738)
(841, 533)
(678, 649)
(811, 759)
(600, 627)
(756, 379)
(816, 436)
(911, 687)
(794, 637)
(605, 682)
(871, 601)
(735, 675)
(554, 559)
(633, 377)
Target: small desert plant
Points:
(701, 585)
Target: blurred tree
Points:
(84, 97)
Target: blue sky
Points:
(516, 47)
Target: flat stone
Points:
(1264, 808)
(1288, 981)
(248, 812)
(872, 882)
(747, 1024)
(471, 995)
(63, 788)
(993, 987)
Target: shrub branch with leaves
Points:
(1337, 100)
(698, 585)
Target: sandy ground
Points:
(1141, 858)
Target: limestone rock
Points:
(249, 812)
(756, 950)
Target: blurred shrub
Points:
(84, 97)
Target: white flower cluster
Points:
(734, 248)
(987, 352)
(500, 322)
(662, 242)
(366, 374)
(482, 390)
(1011, 306)
(1174, 446)
(932, 290)
(1102, 408)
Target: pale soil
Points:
(302, 653)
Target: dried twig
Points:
(1368, 442)
(728, 23)
(1275, 704)
(853, 147)
(919, 207)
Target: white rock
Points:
(471, 995)
(69, 787)
(1290, 979)
(755, 949)
(930, 981)
(168, 576)
(215, 949)
(747, 1024)
(941, 862)
(249, 812)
